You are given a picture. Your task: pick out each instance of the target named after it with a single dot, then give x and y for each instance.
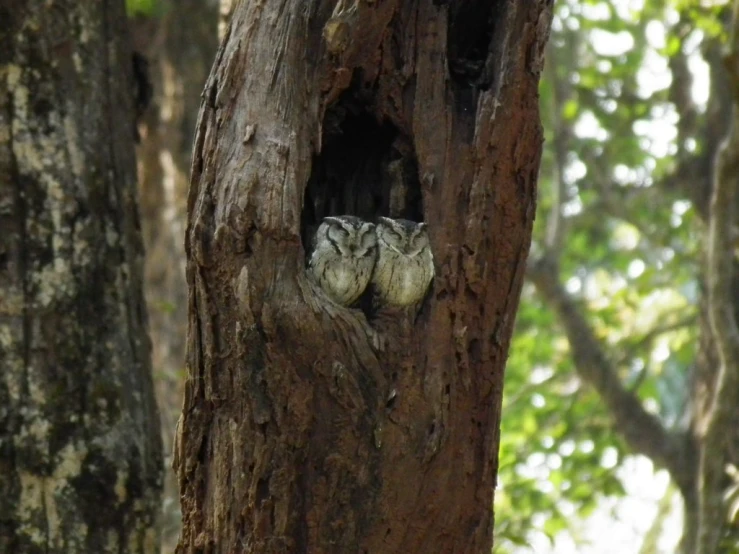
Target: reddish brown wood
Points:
(306, 427)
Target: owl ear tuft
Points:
(385, 221)
(422, 226)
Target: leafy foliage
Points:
(146, 8)
(620, 119)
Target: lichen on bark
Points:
(80, 453)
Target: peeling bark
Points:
(80, 453)
(308, 427)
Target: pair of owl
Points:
(394, 255)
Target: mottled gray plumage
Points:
(345, 250)
(405, 264)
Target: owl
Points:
(405, 264)
(344, 255)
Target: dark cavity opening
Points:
(366, 166)
(262, 490)
(469, 41)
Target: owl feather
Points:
(405, 264)
(344, 255)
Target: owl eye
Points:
(368, 239)
(338, 231)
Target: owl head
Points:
(405, 237)
(348, 235)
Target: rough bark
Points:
(179, 48)
(308, 427)
(80, 451)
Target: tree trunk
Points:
(80, 450)
(718, 426)
(308, 427)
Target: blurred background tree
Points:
(615, 365)
(177, 42)
(611, 381)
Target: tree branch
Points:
(656, 529)
(722, 414)
(721, 257)
(631, 350)
(680, 90)
(642, 431)
(562, 91)
(691, 176)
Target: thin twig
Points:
(631, 351)
(561, 92)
